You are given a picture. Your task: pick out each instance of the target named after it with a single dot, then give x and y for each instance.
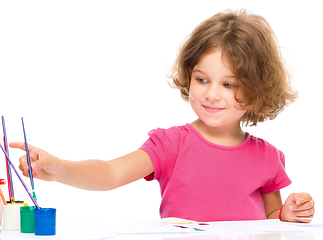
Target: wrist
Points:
(60, 173)
(281, 218)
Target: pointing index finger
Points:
(20, 145)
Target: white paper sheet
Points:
(166, 225)
(176, 225)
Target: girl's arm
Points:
(95, 175)
(298, 207)
(273, 203)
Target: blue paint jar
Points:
(45, 221)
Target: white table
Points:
(243, 230)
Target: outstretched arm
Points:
(94, 175)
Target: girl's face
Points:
(212, 92)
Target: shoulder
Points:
(265, 148)
(175, 131)
(259, 142)
(162, 146)
(170, 138)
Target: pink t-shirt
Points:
(202, 181)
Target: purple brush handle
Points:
(22, 181)
(9, 170)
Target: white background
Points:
(90, 80)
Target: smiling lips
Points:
(212, 109)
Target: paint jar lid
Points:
(2, 182)
(42, 212)
(16, 202)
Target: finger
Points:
(302, 207)
(305, 197)
(22, 169)
(26, 174)
(33, 155)
(304, 219)
(20, 145)
(23, 163)
(23, 160)
(37, 165)
(300, 198)
(32, 152)
(24, 166)
(294, 197)
(304, 214)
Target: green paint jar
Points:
(27, 221)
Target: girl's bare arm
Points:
(93, 174)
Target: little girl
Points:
(231, 72)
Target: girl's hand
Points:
(44, 165)
(298, 207)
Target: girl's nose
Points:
(213, 93)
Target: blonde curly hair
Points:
(250, 48)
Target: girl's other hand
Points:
(298, 207)
(44, 165)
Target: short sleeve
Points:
(280, 179)
(161, 147)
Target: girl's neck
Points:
(231, 135)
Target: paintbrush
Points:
(22, 181)
(28, 160)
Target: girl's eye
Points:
(228, 85)
(201, 80)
